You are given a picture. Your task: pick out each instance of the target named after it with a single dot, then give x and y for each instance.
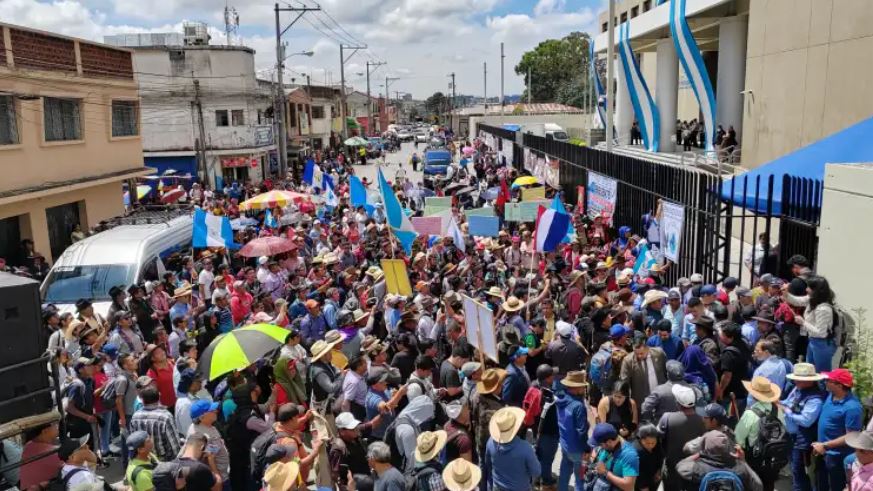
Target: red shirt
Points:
(163, 378)
(240, 306)
(42, 470)
(100, 379)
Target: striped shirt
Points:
(161, 426)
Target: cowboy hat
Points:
(805, 372)
(461, 475)
(512, 304)
(280, 476)
(762, 389)
(860, 440)
(492, 380)
(429, 444)
(505, 423)
(319, 349)
(575, 276)
(182, 291)
(375, 272)
(330, 258)
(652, 296)
(359, 315)
(495, 291)
(333, 337)
(419, 256)
(575, 379)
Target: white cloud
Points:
(549, 6)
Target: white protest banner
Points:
(480, 327)
(506, 151)
(601, 196)
(672, 224)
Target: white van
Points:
(121, 256)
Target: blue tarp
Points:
(511, 127)
(849, 146)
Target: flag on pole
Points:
(551, 228)
(330, 198)
(503, 196)
(456, 235)
(313, 174)
(558, 206)
(645, 259)
(359, 196)
(212, 231)
(270, 220)
(397, 220)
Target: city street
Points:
(393, 162)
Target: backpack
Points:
(258, 454)
(532, 405)
(601, 365)
(721, 481)
(137, 470)
(60, 483)
(110, 392)
(421, 476)
(839, 324)
(398, 459)
(771, 449)
(164, 475)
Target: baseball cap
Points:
(840, 376)
(602, 432)
(696, 278)
(675, 370)
(345, 421)
(742, 291)
(83, 362)
(684, 396)
(376, 376)
(136, 440)
(708, 290)
(521, 351)
(730, 282)
(278, 451)
(617, 331)
(715, 411)
(186, 378)
(263, 260)
(564, 328)
(674, 294)
(201, 407)
(70, 445)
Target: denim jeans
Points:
(105, 428)
(547, 447)
(820, 353)
(831, 475)
(800, 480)
(570, 465)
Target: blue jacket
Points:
(513, 465)
(514, 386)
(572, 423)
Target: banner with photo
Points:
(602, 192)
(672, 224)
(528, 159)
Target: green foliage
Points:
(436, 103)
(558, 68)
(861, 365)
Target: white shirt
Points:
(85, 476)
(262, 274)
(205, 279)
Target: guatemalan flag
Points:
(398, 220)
(359, 196)
(270, 221)
(212, 231)
(558, 206)
(552, 226)
(315, 177)
(330, 198)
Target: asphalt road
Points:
(393, 162)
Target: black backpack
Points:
(165, 473)
(422, 474)
(721, 480)
(59, 483)
(771, 449)
(398, 459)
(258, 462)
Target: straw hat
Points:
(505, 423)
(575, 276)
(183, 290)
(375, 272)
(492, 380)
(762, 389)
(330, 258)
(512, 304)
(333, 337)
(280, 476)
(419, 256)
(495, 291)
(575, 379)
(805, 372)
(429, 444)
(320, 348)
(461, 475)
(652, 296)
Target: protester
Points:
(840, 414)
(510, 460)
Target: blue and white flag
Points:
(550, 230)
(558, 206)
(330, 198)
(359, 196)
(456, 235)
(270, 220)
(395, 217)
(313, 175)
(645, 259)
(212, 231)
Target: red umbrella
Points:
(172, 196)
(267, 246)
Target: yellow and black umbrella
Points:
(240, 348)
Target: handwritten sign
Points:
(602, 193)
(430, 225)
(533, 194)
(526, 211)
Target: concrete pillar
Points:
(624, 108)
(731, 72)
(667, 91)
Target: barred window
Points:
(237, 117)
(221, 118)
(8, 122)
(62, 119)
(317, 112)
(124, 118)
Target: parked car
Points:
(421, 137)
(405, 136)
(436, 163)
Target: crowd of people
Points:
(632, 381)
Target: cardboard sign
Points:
(430, 225)
(479, 212)
(396, 277)
(672, 223)
(480, 327)
(479, 226)
(602, 192)
(533, 194)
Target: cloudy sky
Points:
(421, 40)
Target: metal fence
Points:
(719, 236)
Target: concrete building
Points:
(325, 116)
(465, 120)
(784, 73)
(185, 85)
(69, 137)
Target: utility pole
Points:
(485, 85)
(610, 34)
(502, 100)
(388, 81)
(201, 148)
(452, 105)
(280, 68)
(370, 124)
(343, 84)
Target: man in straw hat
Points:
(462, 475)
(802, 409)
(840, 414)
(282, 476)
(428, 469)
(510, 462)
(485, 402)
(861, 470)
(572, 426)
(765, 393)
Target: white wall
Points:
(848, 195)
(566, 121)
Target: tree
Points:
(559, 69)
(436, 104)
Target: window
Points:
(237, 117)
(634, 12)
(604, 27)
(623, 17)
(292, 117)
(61, 119)
(124, 118)
(8, 123)
(317, 112)
(647, 5)
(221, 118)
